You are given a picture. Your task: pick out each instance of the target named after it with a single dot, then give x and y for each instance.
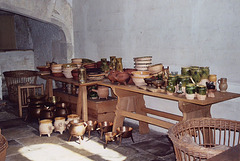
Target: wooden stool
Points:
(26, 90)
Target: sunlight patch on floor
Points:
(40, 152)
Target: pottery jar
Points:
(185, 71)
(59, 124)
(173, 79)
(113, 61)
(119, 66)
(77, 129)
(102, 91)
(122, 77)
(45, 127)
(72, 117)
(201, 92)
(212, 77)
(47, 112)
(223, 84)
(183, 79)
(170, 88)
(204, 72)
(190, 91)
(62, 110)
(82, 75)
(196, 74)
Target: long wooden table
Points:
(131, 103)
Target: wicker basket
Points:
(3, 147)
(18, 77)
(206, 135)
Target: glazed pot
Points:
(91, 126)
(204, 72)
(109, 136)
(62, 110)
(47, 112)
(190, 91)
(45, 127)
(77, 129)
(35, 110)
(158, 83)
(201, 92)
(59, 124)
(122, 77)
(185, 71)
(124, 132)
(72, 117)
(102, 91)
(170, 88)
(196, 74)
(105, 127)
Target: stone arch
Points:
(57, 12)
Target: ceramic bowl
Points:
(43, 68)
(141, 74)
(139, 81)
(155, 68)
(145, 58)
(77, 60)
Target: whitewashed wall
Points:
(176, 33)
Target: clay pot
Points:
(109, 136)
(35, 110)
(91, 126)
(223, 84)
(47, 112)
(72, 117)
(105, 127)
(112, 76)
(45, 127)
(59, 124)
(124, 132)
(129, 71)
(62, 110)
(77, 129)
(103, 92)
(122, 77)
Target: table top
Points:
(232, 154)
(219, 96)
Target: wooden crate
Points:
(102, 109)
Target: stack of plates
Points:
(142, 63)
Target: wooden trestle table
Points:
(131, 103)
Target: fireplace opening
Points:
(27, 43)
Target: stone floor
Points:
(26, 144)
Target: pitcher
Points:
(223, 84)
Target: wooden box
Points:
(102, 109)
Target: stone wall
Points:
(176, 33)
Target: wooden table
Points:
(81, 102)
(232, 154)
(131, 103)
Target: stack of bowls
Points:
(57, 70)
(77, 61)
(142, 63)
(67, 69)
(155, 69)
(139, 76)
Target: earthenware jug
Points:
(45, 127)
(102, 91)
(223, 84)
(59, 124)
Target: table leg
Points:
(131, 102)
(82, 109)
(191, 110)
(49, 88)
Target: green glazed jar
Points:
(173, 79)
(184, 80)
(204, 72)
(201, 90)
(170, 88)
(190, 88)
(196, 74)
(185, 71)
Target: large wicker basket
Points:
(17, 77)
(3, 147)
(206, 135)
